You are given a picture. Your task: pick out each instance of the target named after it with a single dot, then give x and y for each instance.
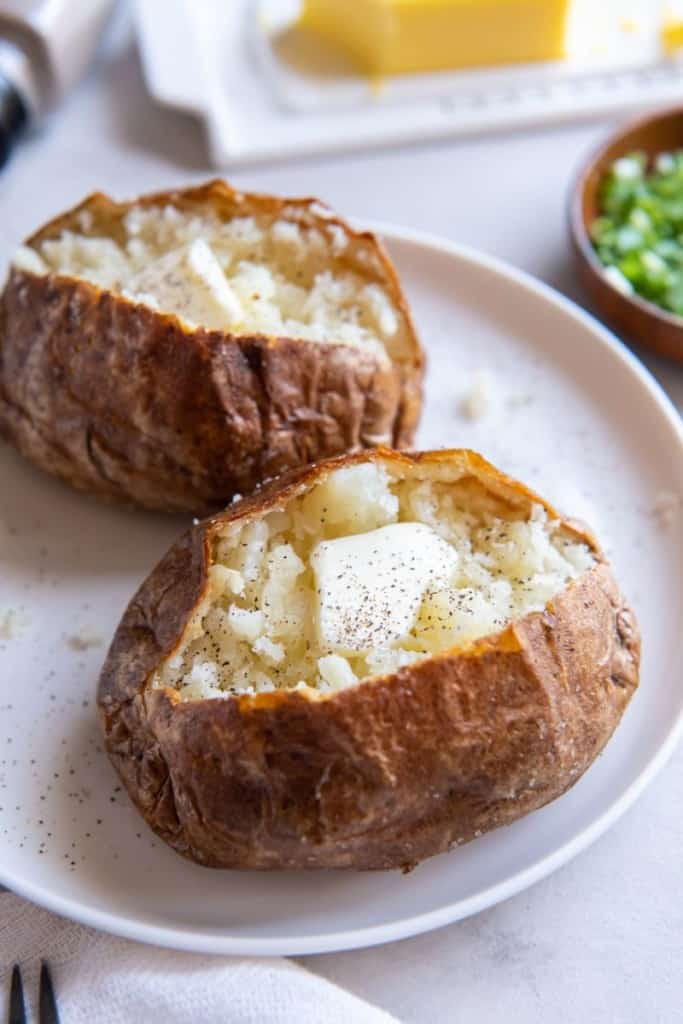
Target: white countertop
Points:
(602, 939)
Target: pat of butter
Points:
(370, 586)
(387, 37)
(671, 31)
(190, 283)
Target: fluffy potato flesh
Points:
(251, 274)
(373, 568)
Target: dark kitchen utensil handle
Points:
(13, 118)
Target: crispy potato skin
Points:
(129, 403)
(387, 772)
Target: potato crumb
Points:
(335, 672)
(84, 639)
(666, 508)
(481, 397)
(272, 653)
(28, 259)
(246, 624)
(13, 623)
(226, 580)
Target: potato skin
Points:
(128, 403)
(389, 771)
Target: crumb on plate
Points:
(479, 400)
(84, 639)
(13, 622)
(666, 508)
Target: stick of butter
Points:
(389, 37)
(671, 30)
(370, 586)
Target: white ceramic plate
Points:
(575, 415)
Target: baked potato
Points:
(364, 664)
(179, 349)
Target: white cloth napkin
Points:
(99, 978)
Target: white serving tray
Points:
(224, 62)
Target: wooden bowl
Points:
(635, 318)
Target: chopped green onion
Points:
(638, 236)
(629, 168)
(628, 238)
(665, 163)
(620, 282)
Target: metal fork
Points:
(47, 1004)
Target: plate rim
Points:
(214, 943)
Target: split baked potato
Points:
(179, 349)
(364, 664)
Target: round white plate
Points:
(573, 414)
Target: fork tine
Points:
(17, 1009)
(47, 1001)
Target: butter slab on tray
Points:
(266, 88)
